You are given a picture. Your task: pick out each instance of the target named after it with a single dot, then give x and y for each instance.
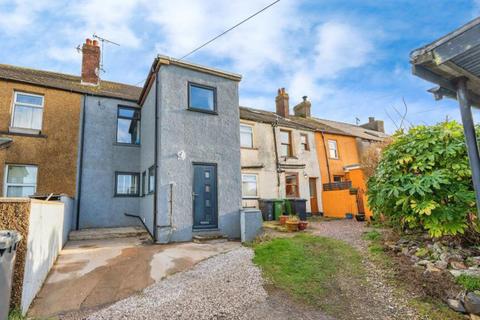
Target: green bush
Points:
(424, 180)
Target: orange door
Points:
(313, 195)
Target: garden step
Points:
(209, 236)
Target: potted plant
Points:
(360, 216)
(283, 219)
(302, 225)
(292, 223)
(353, 190)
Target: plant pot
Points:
(360, 217)
(292, 226)
(283, 219)
(348, 216)
(302, 225)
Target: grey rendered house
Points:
(169, 160)
(190, 151)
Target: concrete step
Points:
(209, 237)
(108, 233)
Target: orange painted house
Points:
(339, 147)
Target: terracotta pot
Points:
(302, 225)
(283, 219)
(292, 226)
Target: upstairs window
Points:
(27, 111)
(128, 125)
(285, 143)
(246, 136)
(202, 98)
(332, 149)
(21, 181)
(127, 184)
(304, 141)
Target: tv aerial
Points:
(103, 41)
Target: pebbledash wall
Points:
(206, 138)
(102, 157)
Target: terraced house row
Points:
(178, 156)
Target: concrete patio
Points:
(93, 273)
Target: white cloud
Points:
(17, 15)
(340, 46)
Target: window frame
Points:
(306, 145)
(256, 186)
(144, 185)
(336, 149)
(151, 169)
(7, 184)
(202, 86)
(139, 122)
(14, 105)
(127, 195)
(335, 176)
(251, 135)
(297, 193)
(289, 144)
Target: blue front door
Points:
(204, 196)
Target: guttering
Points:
(326, 157)
(80, 163)
(155, 191)
(277, 162)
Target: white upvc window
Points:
(246, 136)
(332, 149)
(27, 111)
(249, 186)
(20, 180)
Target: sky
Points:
(351, 58)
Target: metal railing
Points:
(344, 185)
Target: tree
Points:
(424, 180)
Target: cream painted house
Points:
(278, 157)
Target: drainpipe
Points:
(80, 163)
(326, 157)
(277, 163)
(155, 191)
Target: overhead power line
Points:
(228, 30)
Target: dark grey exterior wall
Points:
(101, 158)
(147, 132)
(205, 138)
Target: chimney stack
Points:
(303, 109)
(90, 62)
(281, 102)
(373, 124)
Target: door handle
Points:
(194, 195)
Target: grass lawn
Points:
(311, 269)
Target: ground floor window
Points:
(20, 180)
(249, 186)
(127, 184)
(151, 179)
(291, 185)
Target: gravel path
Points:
(376, 299)
(227, 286)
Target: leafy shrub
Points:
(424, 180)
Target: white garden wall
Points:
(49, 225)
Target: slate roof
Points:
(313, 124)
(68, 82)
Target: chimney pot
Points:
(282, 103)
(90, 62)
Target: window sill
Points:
(126, 196)
(289, 158)
(248, 148)
(120, 144)
(24, 133)
(203, 111)
(250, 198)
